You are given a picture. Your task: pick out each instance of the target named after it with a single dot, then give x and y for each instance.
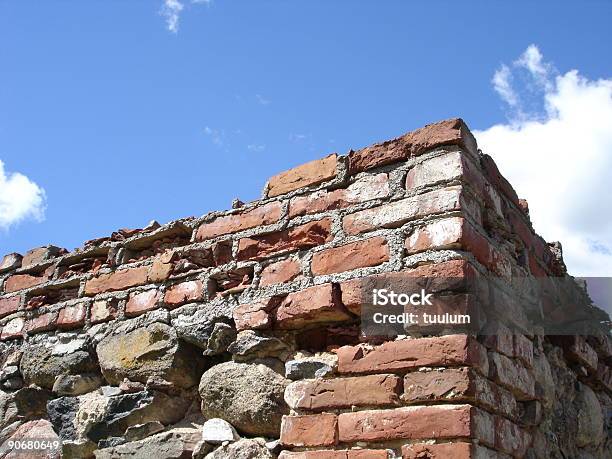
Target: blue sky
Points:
(121, 120)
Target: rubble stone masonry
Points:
(127, 345)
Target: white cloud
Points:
(20, 198)
(217, 136)
(171, 10)
(556, 150)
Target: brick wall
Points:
(290, 267)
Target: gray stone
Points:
(242, 449)
(250, 397)
(10, 261)
(9, 372)
(251, 345)
(220, 338)
(76, 384)
(589, 416)
(154, 350)
(195, 323)
(307, 369)
(40, 366)
(110, 391)
(94, 417)
(24, 404)
(177, 443)
(13, 383)
(140, 431)
(217, 431)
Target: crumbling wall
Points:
(125, 347)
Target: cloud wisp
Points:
(556, 149)
(171, 10)
(20, 199)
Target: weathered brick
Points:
(297, 238)
(310, 430)
(456, 233)
(439, 421)
(102, 311)
(523, 349)
(72, 316)
(397, 213)
(362, 190)
(43, 322)
(259, 216)
(447, 132)
(40, 254)
(14, 328)
(458, 385)
(360, 254)
(18, 282)
(445, 168)
(254, 316)
(512, 375)
(336, 454)
(118, 280)
(511, 438)
(280, 272)
(311, 173)
(578, 350)
(455, 450)
(405, 354)
(446, 276)
(159, 271)
(497, 180)
(10, 261)
(9, 305)
(183, 293)
(141, 302)
(318, 304)
(321, 394)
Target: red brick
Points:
(41, 323)
(360, 254)
(523, 349)
(280, 272)
(397, 213)
(72, 316)
(22, 281)
(254, 316)
(497, 180)
(451, 166)
(310, 430)
(458, 385)
(419, 422)
(297, 238)
(102, 311)
(311, 173)
(40, 254)
(364, 189)
(118, 280)
(159, 271)
(411, 353)
(9, 305)
(512, 375)
(448, 132)
(183, 293)
(455, 450)
(318, 304)
(456, 233)
(336, 454)
(450, 275)
(141, 302)
(321, 394)
(510, 438)
(262, 215)
(14, 328)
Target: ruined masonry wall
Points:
(126, 346)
